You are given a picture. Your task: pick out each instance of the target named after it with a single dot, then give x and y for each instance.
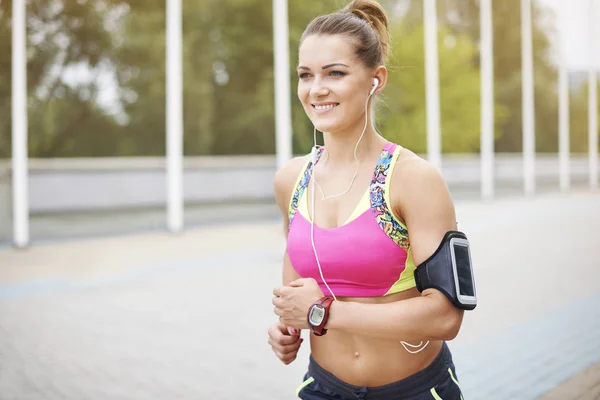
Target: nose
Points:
(318, 89)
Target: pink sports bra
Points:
(369, 255)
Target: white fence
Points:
(63, 185)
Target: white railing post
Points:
(432, 84)
(528, 103)
(487, 101)
(283, 107)
(174, 112)
(20, 189)
(593, 98)
(563, 103)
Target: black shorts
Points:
(438, 381)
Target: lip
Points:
(324, 110)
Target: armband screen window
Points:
(463, 268)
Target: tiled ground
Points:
(185, 317)
(583, 386)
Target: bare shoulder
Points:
(418, 178)
(422, 198)
(285, 179)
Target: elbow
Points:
(450, 324)
(448, 318)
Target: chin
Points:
(327, 126)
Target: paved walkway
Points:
(583, 386)
(153, 316)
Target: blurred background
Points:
(96, 95)
(96, 141)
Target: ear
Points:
(381, 73)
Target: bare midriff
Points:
(368, 361)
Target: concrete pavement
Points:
(153, 316)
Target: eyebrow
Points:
(325, 66)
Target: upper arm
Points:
(285, 179)
(426, 206)
(428, 211)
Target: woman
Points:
(359, 214)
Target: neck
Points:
(340, 146)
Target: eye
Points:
(304, 75)
(337, 73)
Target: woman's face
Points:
(333, 83)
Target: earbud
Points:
(375, 85)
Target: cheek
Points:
(303, 91)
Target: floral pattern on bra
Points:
(300, 187)
(379, 206)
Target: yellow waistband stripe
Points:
(435, 395)
(303, 385)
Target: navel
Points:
(356, 354)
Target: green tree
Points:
(64, 116)
(228, 75)
(463, 16)
(404, 113)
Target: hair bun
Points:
(373, 14)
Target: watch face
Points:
(316, 315)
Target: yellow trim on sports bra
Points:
(363, 205)
(407, 276)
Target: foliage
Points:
(404, 112)
(97, 75)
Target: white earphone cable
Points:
(323, 197)
(312, 217)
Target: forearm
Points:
(421, 318)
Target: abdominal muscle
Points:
(368, 361)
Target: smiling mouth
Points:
(325, 107)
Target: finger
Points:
(278, 311)
(277, 302)
(280, 331)
(277, 292)
(293, 331)
(287, 339)
(298, 282)
(289, 361)
(286, 348)
(278, 347)
(286, 358)
(290, 343)
(282, 328)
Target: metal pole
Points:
(593, 102)
(174, 117)
(432, 84)
(563, 105)
(528, 106)
(283, 107)
(20, 192)
(487, 101)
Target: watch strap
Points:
(325, 302)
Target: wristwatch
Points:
(318, 314)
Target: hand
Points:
(292, 302)
(285, 342)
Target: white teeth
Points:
(326, 107)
